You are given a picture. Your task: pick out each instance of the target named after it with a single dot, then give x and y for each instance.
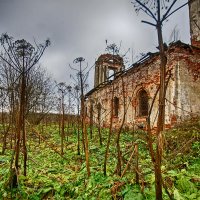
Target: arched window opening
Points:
(116, 106)
(143, 103)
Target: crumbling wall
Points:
(190, 86)
(182, 95)
(194, 12)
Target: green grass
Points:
(52, 177)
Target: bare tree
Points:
(21, 56)
(91, 117)
(10, 86)
(62, 89)
(99, 110)
(76, 95)
(82, 84)
(69, 108)
(159, 11)
(112, 48)
(109, 133)
(5, 128)
(40, 95)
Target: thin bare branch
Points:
(175, 11)
(149, 23)
(147, 9)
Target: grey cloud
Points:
(80, 27)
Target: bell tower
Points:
(194, 14)
(106, 68)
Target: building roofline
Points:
(148, 57)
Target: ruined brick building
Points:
(128, 94)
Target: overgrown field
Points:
(52, 177)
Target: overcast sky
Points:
(80, 27)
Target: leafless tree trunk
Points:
(154, 11)
(119, 156)
(83, 114)
(109, 133)
(91, 119)
(63, 127)
(77, 96)
(136, 165)
(21, 57)
(5, 127)
(62, 89)
(99, 123)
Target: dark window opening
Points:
(99, 110)
(91, 109)
(116, 106)
(143, 103)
